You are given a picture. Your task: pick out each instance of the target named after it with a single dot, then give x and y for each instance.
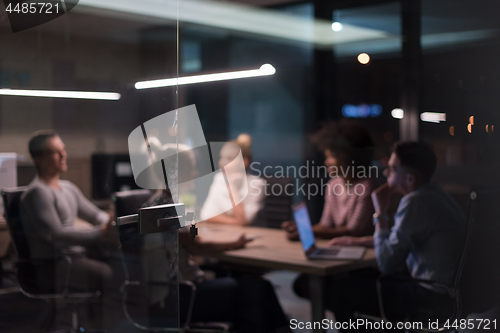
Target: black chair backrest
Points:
(150, 260)
(480, 283)
(25, 270)
(277, 203)
(11, 200)
(129, 202)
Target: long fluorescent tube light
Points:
(264, 70)
(61, 94)
(433, 117)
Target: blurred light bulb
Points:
(398, 113)
(337, 26)
(363, 58)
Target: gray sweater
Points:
(48, 217)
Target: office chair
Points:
(465, 268)
(129, 202)
(26, 267)
(277, 203)
(480, 286)
(148, 253)
(135, 287)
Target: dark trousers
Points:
(85, 274)
(356, 292)
(247, 301)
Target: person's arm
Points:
(237, 217)
(44, 222)
(254, 202)
(319, 230)
(199, 246)
(87, 210)
(391, 250)
(392, 246)
(290, 230)
(322, 231)
(217, 201)
(244, 212)
(366, 241)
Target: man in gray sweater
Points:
(49, 208)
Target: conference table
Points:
(271, 249)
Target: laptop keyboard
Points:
(326, 251)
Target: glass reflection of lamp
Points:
(155, 151)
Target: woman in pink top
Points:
(348, 208)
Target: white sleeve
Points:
(212, 205)
(254, 201)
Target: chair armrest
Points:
(127, 283)
(123, 290)
(189, 284)
(451, 291)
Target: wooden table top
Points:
(273, 250)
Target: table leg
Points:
(317, 292)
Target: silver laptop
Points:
(309, 245)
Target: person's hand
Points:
(109, 234)
(291, 230)
(380, 198)
(111, 216)
(239, 242)
(345, 241)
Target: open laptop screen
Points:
(304, 227)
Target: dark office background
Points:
(459, 75)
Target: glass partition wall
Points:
(76, 74)
(313, 48)
(273, 69)
(460, 82)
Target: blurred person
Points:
(248, 301)
(347, 211)
(245, 212)
(49, 207)
(348, 151)
(425, 242)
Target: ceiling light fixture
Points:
(61, 94)
(264, 70)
